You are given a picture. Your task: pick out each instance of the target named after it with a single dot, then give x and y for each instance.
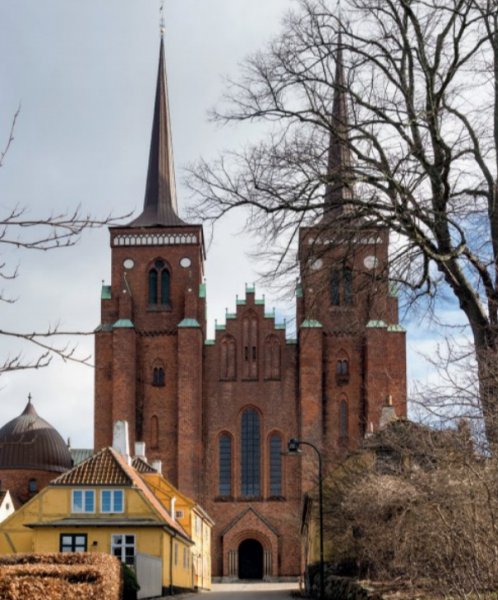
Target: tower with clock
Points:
(218, 412)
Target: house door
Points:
(250, 560)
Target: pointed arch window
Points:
(225, 465)
(250, 453)
(341, 287)
(159, 284)
(275, 465)
(228, 358)
(272, 358)
(250, 344)
(158, 376)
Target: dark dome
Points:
(29, 442)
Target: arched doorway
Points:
(250, 560)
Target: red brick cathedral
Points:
(218, 413)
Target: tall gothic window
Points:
(272, 358)
(228, 358)
(341, 287)
(159, 284)
(275, 465)
(250, 454)
(158, 376)
(335, 295)
(225, 466)
(250, 344)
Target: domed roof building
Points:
(32, 453)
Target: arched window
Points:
(159, 284)
(250, 454)
(335, 296)
(342, 367)
(250, 343)
(228, 358)
(32, 486)
(272, 358)
(344, 419)
(225, 466)
(154, 432)
(275, 465)
(158, 376)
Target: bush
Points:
(130, 583)
(64, 576)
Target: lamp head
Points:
(293, 448)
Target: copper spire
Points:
(160, 207)
(339, 166)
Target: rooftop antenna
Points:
(161, 19)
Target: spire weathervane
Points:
(161, 19)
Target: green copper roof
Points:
(376, 324)
(250, 288)
(230, 316)
(393, 289)
(260, 301)
(189, 323)
(299, 291)
(280, 326)
(209, 342)
(106, 292)
(220, 327)
(240, 302)
(269, 315)
(311, 323)
(105, 327)
(202, 290)
(291, 341)
(123, 324)
(396, 327)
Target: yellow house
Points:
(194, 520)
(104, 505)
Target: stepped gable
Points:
(29, 442)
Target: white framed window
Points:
(124, 547)
(83, 501)
(112, 501)
(179, 514)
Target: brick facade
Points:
(293, 385)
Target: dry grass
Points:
(68, 576)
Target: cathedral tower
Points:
(149, 343)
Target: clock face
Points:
(185, 262)
(370, 262)
(128, 263)
(317, 264)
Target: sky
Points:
(84, 73)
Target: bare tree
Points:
(50, 232)
(420, 80)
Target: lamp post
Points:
(293, 450)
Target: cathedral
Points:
(218, 413)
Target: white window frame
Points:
(113, 508)
(84, 492)
(179, 514)
(123, 546)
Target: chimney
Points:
(158, 466)
(121, 440)
(140, 450)
(388, 414)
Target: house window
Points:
(112, 501)
(32, 486)
(124, 547)
(250, 454)
(344, 418)
(179, 514)
(159, 284)
(158, 376)
(225, 466)
(73, 542)
(83, 501)
(275, 465)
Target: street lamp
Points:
(293, 450)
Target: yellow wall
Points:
(55, 503)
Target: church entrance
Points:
(250, 560)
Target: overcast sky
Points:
(84, 73)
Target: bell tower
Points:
(149, 343)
